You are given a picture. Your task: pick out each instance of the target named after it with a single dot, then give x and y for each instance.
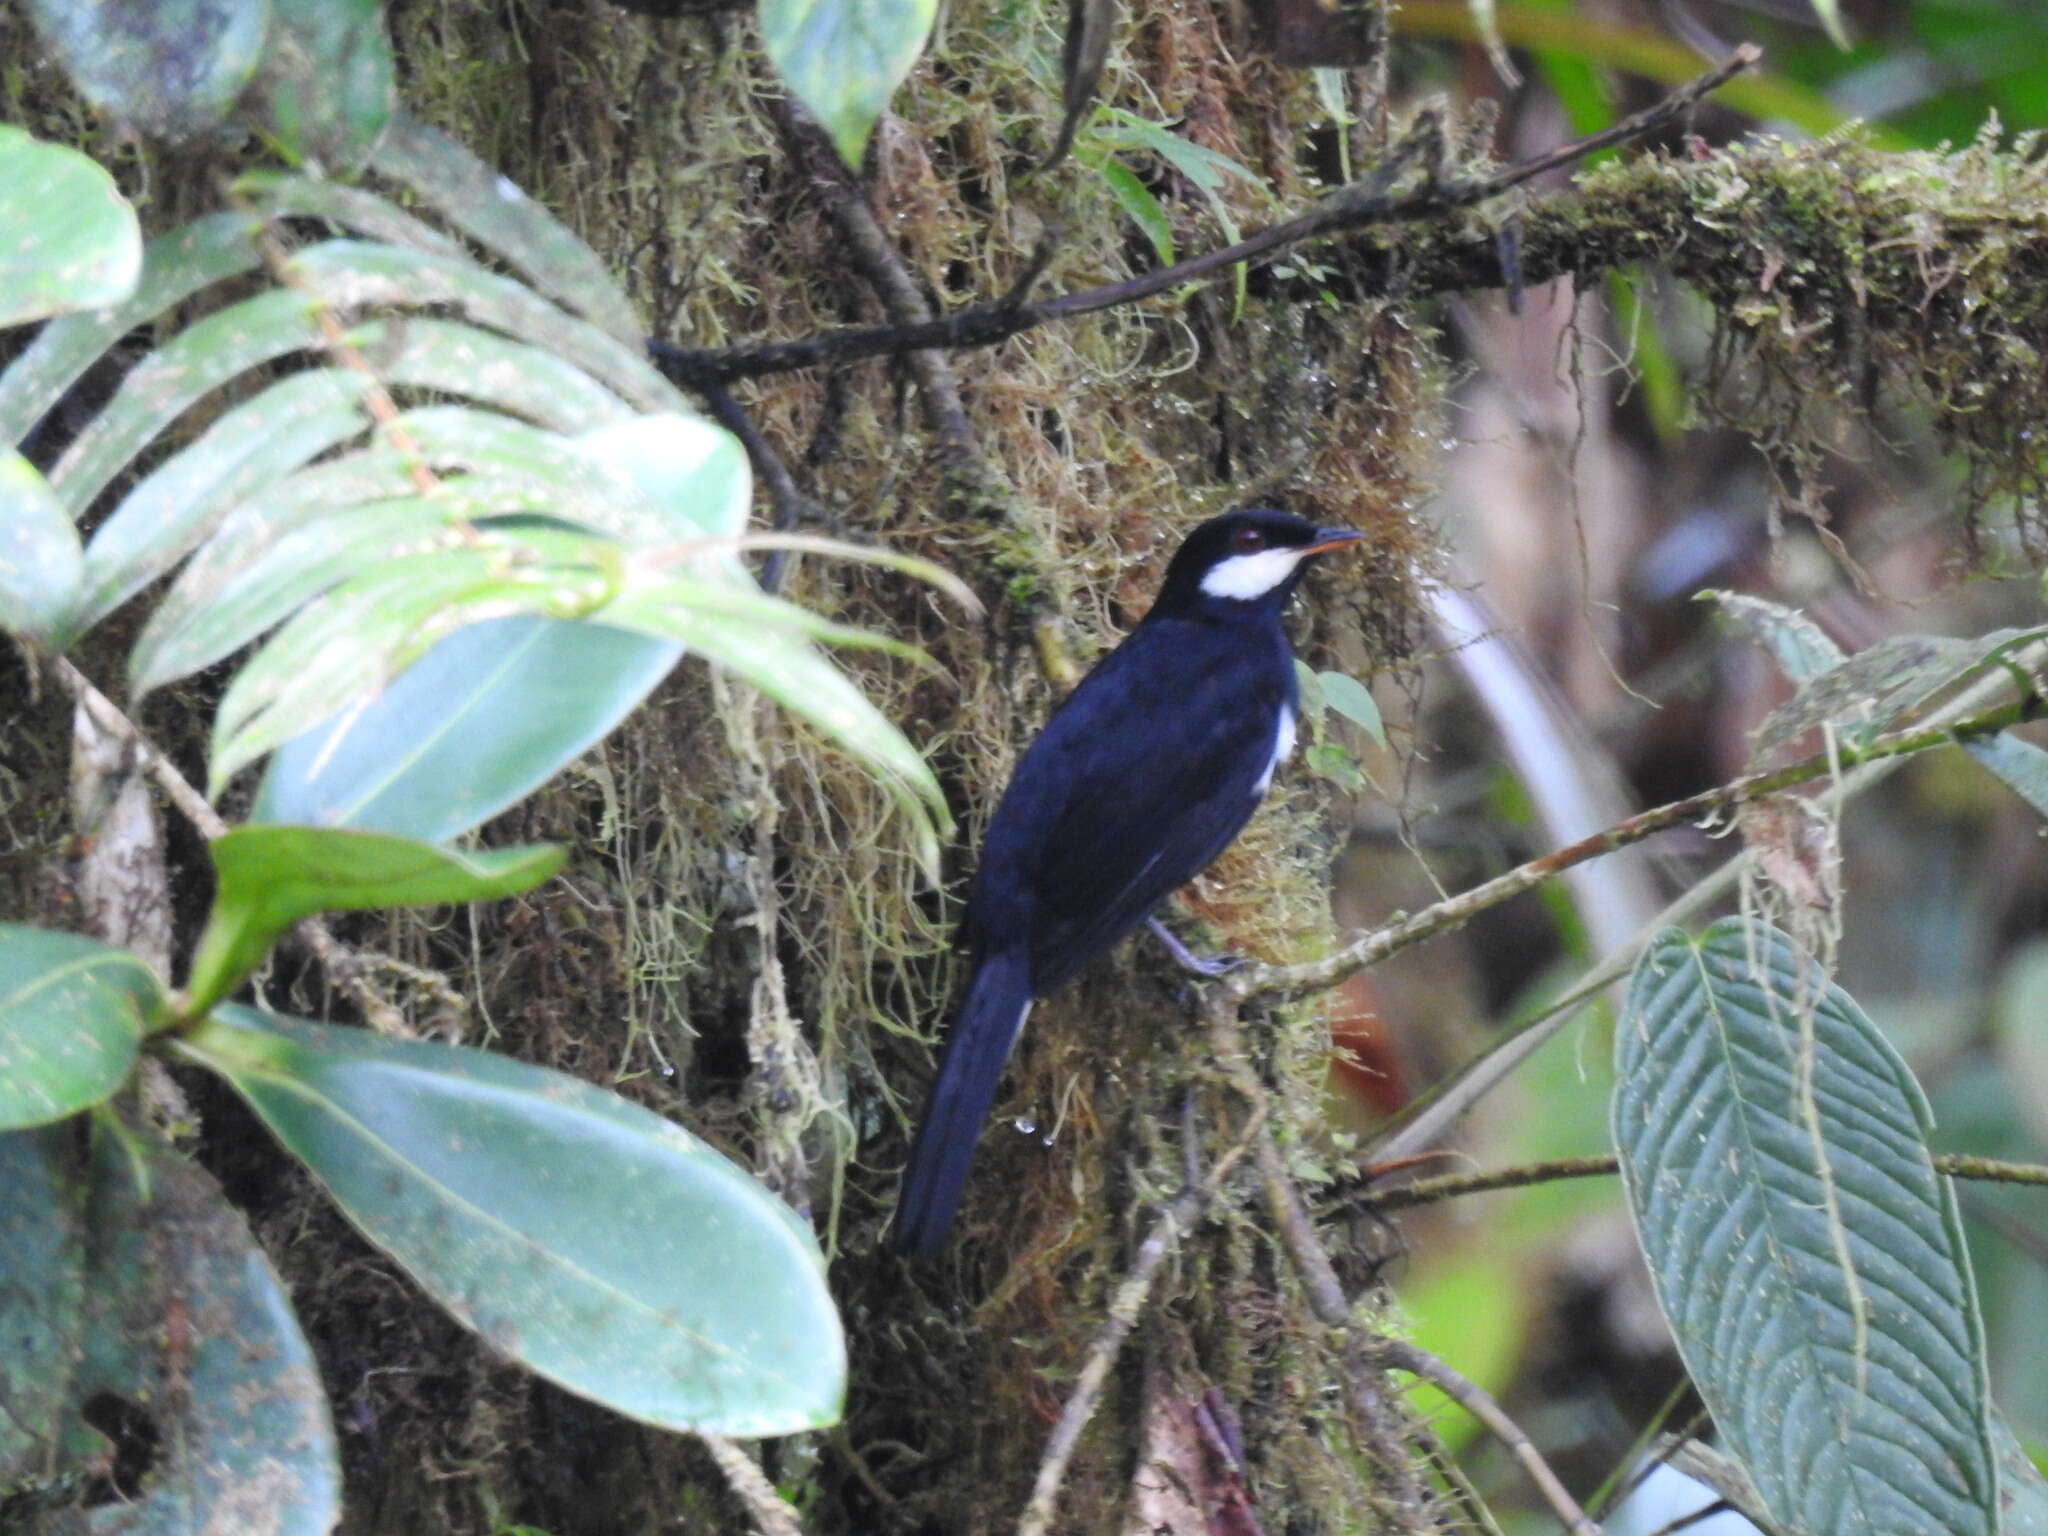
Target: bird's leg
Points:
(1187, 959)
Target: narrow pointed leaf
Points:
(843, 59)
(285, 194)
(1801, 647)
(68, 238)
(174, 267)
(171, 68)
(40, 560)
(1138, 204)
(499, 216)
(475, 725)
(72, 1016)
(270, 877)
(175, 506)
(2020, 764)
(1809, 1260)
(159, 389)
(42, 1293)
(580, 1234)
(448, 358)
(356, 275)
(189, 1329)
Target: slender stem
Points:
(1371, 948)
(772, 1513)
(1475, 1400)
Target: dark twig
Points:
(1370, 201)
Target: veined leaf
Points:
(286, 194)
(686, 1297)
(1354, 701)
(68, 238)
(1808, 1258)
(175, 506)
(1801, 647)
(481, 365)
(270, 877)
(843, 59)
(188, 1325)
(475, 725)
(174, 267)
(495, 213)
(72, 1016)
(355, 275)
(42, 1292)
(159, 389)
(40, 561)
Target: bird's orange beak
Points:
(1328, 539)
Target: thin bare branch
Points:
(1371, 200)
(1478, 1402)
(743, 1475)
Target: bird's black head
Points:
(1244, 562)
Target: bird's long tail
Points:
(997, 1000)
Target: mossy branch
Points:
(1291, 981)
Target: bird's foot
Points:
(1197, 965)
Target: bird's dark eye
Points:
(1248, 541)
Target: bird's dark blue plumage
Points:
(1138, 781)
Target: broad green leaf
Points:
(1354, 701)
(175, 506)
(72, 1016)
(2022, 766)
(1138, 204)
(580, 1234)
(475, 725)
(1810, 1262)
(326, 83)
(1801, 647)
(189, 1329)
(696, 473)
(40, 561)
(353, 640)
(270, 877)
(174, 266)
(159, 389)
(494, 212)
(171, 68)
(843, 59)
(42, 1293)
(68, 238)
(358, 275)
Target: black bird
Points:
(1139, 780)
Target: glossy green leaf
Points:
(326, 84)
(171, 68)
(72, 1016)
(1354, 701)
(1801, 647)
(451, 359)
(40, 561)
(2022, 766)
(68, 238)
(42, 1293)
(357, 275)
(174, 266)
(580, 1234)
(696, 473)
(173, 508)
(269, 877)
(491, 210)
(843, 59)
(1809, 1260)
(350, 642)
(475, 725)
(189, 1329)
(289, 195)
(159, 389)
(1138, 204)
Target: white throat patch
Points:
(1250, 576)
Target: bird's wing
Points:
(1159, 767)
